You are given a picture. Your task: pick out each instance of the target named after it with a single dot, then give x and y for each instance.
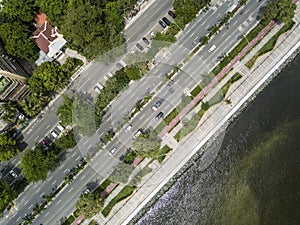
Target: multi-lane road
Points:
(191, 74)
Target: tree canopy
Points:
(88, 205)
(6, 194)
(36, 163)
(8, 147)
(146, 145)
(278, 10)
(121, 173)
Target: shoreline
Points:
(267, 79)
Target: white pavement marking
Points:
(36, 138)
(66, 170)
(18, 218)
(53, 182)
(73, 154)
(61, 166)
(47, 214)
(58, 202)
(70, 189)
(77, 158)
(48, 126)
(82, 177)
(42, 194)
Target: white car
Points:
(112, 151)
(54, 134)
(97, 89)
(154, 108)
(128, 128)
(13, 174)
(60, 127)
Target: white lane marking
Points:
(48, 126)
(36, 138)
(66, 170)
(47, 214)
(73, 154)
(58, 202)
(42, 194)
(53, 182)
(77, 158)
(70, 189)
(61, 166)
(18, 218)
(84, 143)
(82, 177)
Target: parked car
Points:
(119, 65)
(166, 21)
(60, 127)
(13, 174)
(128, 128)
(99, 85)
(159, 115)
(139, 47)
(97, 89)
(112, 151)
(162, 24)
(86, 191)
(54, 133)
(157, 105)
(172, 14)
(170, 83)
(146, 41)
(138, 133)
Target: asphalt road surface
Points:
(192, 73)
(103, 163)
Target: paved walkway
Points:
(187, 148)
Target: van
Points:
(212, 48)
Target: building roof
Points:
(40, 19)
(49, 39)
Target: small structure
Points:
(49, 39)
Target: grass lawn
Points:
(196, 91)
(123, 194)
(162, 153)
(69, 221)
(270, 44)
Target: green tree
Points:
(49, 76)
(16, 10)
(33, 104)
(36, 163)
(133, 72)
(83, 116)
(67, 141)
(64, 111)
(17, 41)
(121, 173)
(55, 9)
(6, 194)
(8, 147)
(278, 10)
(146, 145)
(9, 111)
(204, 40)
(88, 205)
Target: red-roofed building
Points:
(40, 19)
(49, 39)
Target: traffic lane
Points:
(140, 27)
(64, 204)
(207, 20)
(36, 192)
